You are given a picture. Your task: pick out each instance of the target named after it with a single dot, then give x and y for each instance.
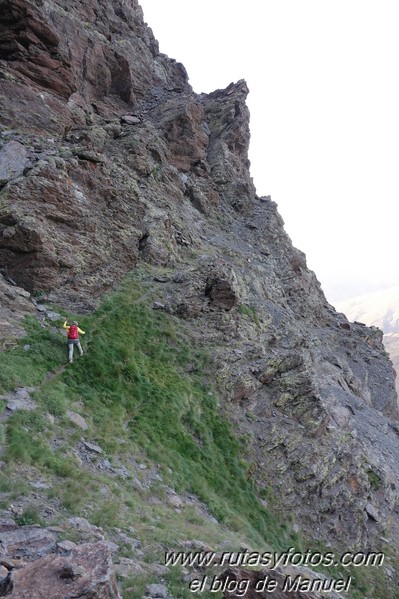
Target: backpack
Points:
(73, 332)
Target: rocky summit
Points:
(110, 163)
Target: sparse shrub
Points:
(374, 480)
(249, 311)
(29, 516)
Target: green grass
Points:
(135, 587)
(249, 311)
(29, 516)
(52, 397)
(133, 382)
(28, 368)
(134, 389)
(138, 396)
(374, 479)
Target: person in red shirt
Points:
(73, 338)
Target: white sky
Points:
(324, 103)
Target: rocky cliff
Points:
(378, 309)
(109, 159)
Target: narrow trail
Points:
(20, 398)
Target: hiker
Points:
(73, 339)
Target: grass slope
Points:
(141, 388)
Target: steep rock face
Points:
(83, 53)
(114, 160)
(61, 65)
(14, 305)
(378, 309)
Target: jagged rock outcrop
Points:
(14, 305)
(87, 572)
(108, 158)
(39, 566)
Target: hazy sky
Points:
(324, 103)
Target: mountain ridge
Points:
(110, 163)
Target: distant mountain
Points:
(380, 309)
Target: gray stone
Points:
(21, 403)
(158, 569)
(122, 472)
(105, 464)
(176, 501)
(137, 484)
(158, 306)
(341, 415)
(66, 546)
(24, 392)
(53, 315)
(92, 447)
(157, 591)
(372, 512)
(77, 420)
(113, 129)
(41, 307)
(86, 572)
(90, 155)
(22, 292)
(13, 160)
(130, 119)
(83, 524)
(27, 541)
(127, 567)
(40, 485)
(126, 540)
(113, 547)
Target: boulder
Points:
(87, 572)
(26, 542)
(13, 160)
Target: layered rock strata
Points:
(107, 159)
